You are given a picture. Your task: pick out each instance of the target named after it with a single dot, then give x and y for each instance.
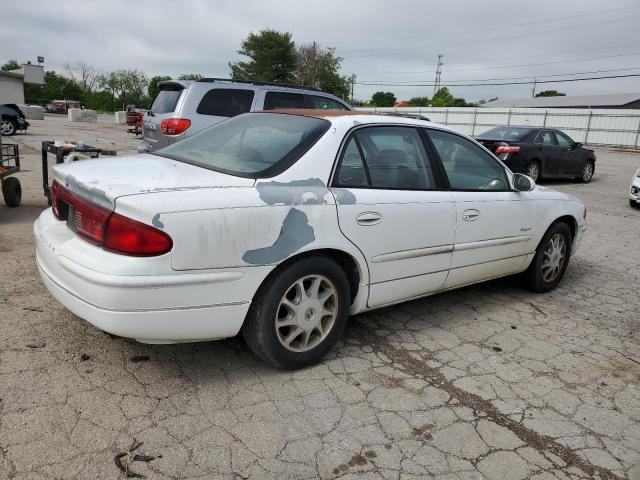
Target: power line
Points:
(399, 82)
(503, 83)
(493, 28)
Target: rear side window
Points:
(166, 100)
(324, 103)
(276, 100)
(225, 102)
(467, 165)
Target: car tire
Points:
(533, 170)
(588, 169)
(11, 191)
(299, 313)
(551, 259)
(8, 127)
(634, 204)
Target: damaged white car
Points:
(281, 224)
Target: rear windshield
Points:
(255, 145)
(505, 133)
(166, 100)
(225, 102)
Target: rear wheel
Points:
(588, 169)
(299, 313)
(551, 259)
(533, 170)
(634, 204)
(11, 191)
(8, 127)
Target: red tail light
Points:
(103, 227)
(174, 126)
(506, 148)
(130, 237)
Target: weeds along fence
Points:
(606, 127)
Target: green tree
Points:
(419, 102)
(442, 98)
(124, 86)
(10, 65)
(154, 88)
(272, 57)
(320, 68)
(55, 87)
(190, 76)
(383, 99)
(550, 93)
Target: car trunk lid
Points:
(103, 181)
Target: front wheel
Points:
(8, 127)
(551, 259)
(588, 170)
(299, 313)
(634, 204)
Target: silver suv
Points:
(183, 108)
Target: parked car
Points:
(12, 119)
(62, 106)
(183, 108)
(540, 152)
(281, 224)
(634, 191)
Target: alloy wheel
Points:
(533, 171)
(587, 171)
(306, 313)
(554, 257)
(7, 128)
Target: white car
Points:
(634, 190)
(281, 224)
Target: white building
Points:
(12, 82)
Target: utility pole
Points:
(353, 80)
(436, 84)
(533, 89)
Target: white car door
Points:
(494, 224)
(389, 206)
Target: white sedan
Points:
(281, 224)
(634, 190)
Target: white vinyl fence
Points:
(609, 127)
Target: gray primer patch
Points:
(155, 221)
(344, 197)
(297, 192)
(294, 234)
(94, 194)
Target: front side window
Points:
(388, 158)
(563, 140)
(324, 103)
(467, 165)
(255, 145)
(279, 100)
(225, 102)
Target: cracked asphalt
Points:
(490, 381)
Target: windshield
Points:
(505, 133)
(255, 145)
(166, 100)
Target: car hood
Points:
(105, 179)
(546, 193)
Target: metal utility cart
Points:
(60, 152)
(10, 164)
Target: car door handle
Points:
(470, 215)
(369, 218)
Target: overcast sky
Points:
(392, 41)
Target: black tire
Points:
(8, 127)
(259, 329)
(587, 173)
(634, 204)
(534, 275)
(534, 166)
(11, 191)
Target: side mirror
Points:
(522, 183)
(577, 145)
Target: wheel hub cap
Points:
(306, 313)
(553, 258)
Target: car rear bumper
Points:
(152, 307)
